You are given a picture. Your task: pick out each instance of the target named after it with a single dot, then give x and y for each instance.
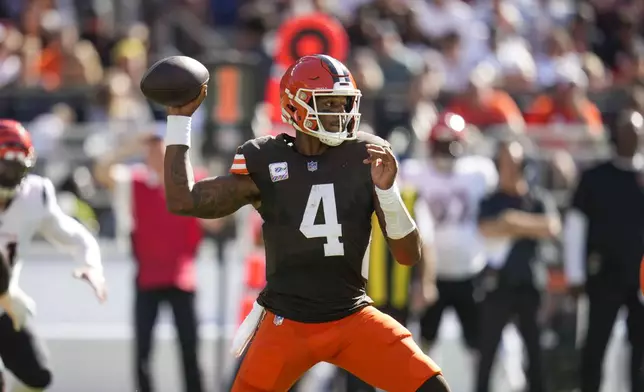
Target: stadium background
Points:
(70, 69)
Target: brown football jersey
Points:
(317, 222)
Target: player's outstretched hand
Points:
(190, 108)
(95, 279)
(6, 304)
(384, 166)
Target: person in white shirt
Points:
(451, 185)
(28, 206)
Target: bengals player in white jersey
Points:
(451, 184)
(28, 206)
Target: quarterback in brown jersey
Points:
(316, 193)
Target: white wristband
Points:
(397, 219)
(178, 130)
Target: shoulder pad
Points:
(364, 137)
(38, 189)
(251, 155)
(256, 143)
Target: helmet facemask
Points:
(314, 117)
(14, 166)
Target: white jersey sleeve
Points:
(425, 221)
(410, 171)
(481, 166)
(64, 231)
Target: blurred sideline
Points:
(90, 345)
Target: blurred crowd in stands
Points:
(70, 68)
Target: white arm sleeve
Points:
(424, 221)
(574, 236)
(64, 231)
(398, 222)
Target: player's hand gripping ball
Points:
(174, 81)
(189, 108)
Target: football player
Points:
(316, 193)
(451, 184)
(28, 206)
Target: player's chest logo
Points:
(312, 166)
(278, 171)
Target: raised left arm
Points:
(64, 231)
(394, 218)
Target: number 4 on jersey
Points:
(331, 229)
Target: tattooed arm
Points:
(209, 198)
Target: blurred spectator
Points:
(438, 18)
(369, 76)
(564, 170)
(164, 247)
(453, 65)
(584, 35)
(361, 27)
(513, 221)
(511, 60)
(582, 28)
(629, 67)
(47, 130)
(59, 58)
(619, 29)
(598, 77)
(450, 184)
(99, 32)
(182, 26)
(119, 100)
(559, 54)
(130, 54)
(567, 103)
(224, 12)
(603, 247)
(424, 93)
(399, 65)
(10, 62)
(484, 106)
(636, 98)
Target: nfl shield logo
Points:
(312, 166)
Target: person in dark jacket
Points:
(604, 244)
(513, 221)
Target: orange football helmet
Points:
(17, 156)
(315, 76)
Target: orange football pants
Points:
(370, 344)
